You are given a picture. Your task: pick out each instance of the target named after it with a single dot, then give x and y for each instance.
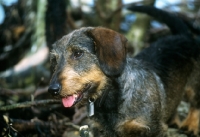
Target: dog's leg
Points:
(191, 124)
(96, 129)
(175, 121)
(137, 128)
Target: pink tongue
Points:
(68, 101)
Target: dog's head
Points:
(83, 61)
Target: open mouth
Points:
(71, 100)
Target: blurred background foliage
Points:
(28, 28)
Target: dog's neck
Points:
(109, 100)
(109, 97)
(113, 94)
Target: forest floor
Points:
(42, 117)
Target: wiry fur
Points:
(133, 97)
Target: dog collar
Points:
(90, 105)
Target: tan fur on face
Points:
(72, 82)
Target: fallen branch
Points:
(28, 104)
(24, 125)
(19, 92)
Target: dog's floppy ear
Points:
(110, 50)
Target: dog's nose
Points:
(54, 89)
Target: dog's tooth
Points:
(76, 95)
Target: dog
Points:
(129, 96)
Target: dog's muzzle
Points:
(54, 89)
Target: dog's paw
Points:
(190, 125)
(189, 133)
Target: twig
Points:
(28, 104)
(24, 125)
(73, 125)
(40, 91)
(8, 92)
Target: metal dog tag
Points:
(90, 108)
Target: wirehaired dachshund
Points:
(129, 96)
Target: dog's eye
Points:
(77, 54)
